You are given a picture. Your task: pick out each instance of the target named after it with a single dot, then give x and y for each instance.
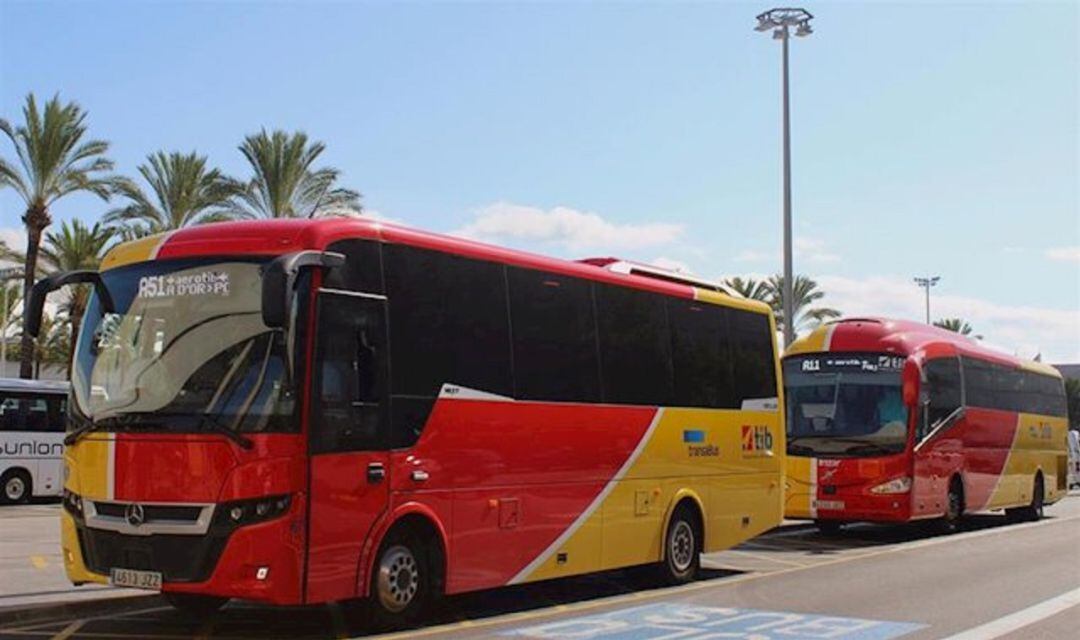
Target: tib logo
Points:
(756, 440)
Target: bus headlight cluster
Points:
(243, 512)
(896, 485)
(72, 503)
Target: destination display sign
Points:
(847, 362)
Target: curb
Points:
(98, 606)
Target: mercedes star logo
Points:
(134, 514)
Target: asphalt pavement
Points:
(995, 579)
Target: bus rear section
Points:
(380, 413)
(892, 420)
(31, 439)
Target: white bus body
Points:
(31, 438)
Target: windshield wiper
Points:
(84, 426)
(210, 420)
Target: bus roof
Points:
(275, 237)
(905, 338)
(33, 386)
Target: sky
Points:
(928, 138)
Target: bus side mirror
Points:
(910, 381)
(279, 279)
(35, 306)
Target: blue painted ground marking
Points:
(686, 622)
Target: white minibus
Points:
(31, 438)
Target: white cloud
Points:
(1064, 254)
(15, 238)
(813, 250)
(565, 227)
(1025, 331)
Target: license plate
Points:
(135, 579)
(830, 505)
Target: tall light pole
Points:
(780, 22)
(10, 273)
(926, 283)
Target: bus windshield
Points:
(184, 350)
(845, 405)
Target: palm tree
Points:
(55, 162)
(805, 293)
(957, 325)
(285, 185)
(750, 288)
(10, 304)
(183, 192)
(76, 246)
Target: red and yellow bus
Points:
(892, 421)
(298, 412)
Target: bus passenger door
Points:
(349, 469)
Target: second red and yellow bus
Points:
(892, 421)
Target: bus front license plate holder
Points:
(830, 505)
(150, 580)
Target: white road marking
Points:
(1020, 619)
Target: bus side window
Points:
(11, 417)
(944, 394)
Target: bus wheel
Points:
(195, 604)
(682, 547)
(1038, 497)
(954, 508)
(15, 487)
(401, 583)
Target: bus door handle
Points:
(376, 472)
(420, 475)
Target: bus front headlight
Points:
(896, 485)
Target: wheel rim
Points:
(14, 488)
(682, 546)
(399, 578)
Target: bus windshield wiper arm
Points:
(85, 426)
(208, 420)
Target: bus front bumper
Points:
(260, 562)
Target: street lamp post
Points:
(926, 283)
(10, 273)
(780, 22)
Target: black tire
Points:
(1034, 512)
(402, 581)
(954, 508)
(829, 527)
(682, 547)
(195, 604)
(16, 487)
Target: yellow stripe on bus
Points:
(139, 250)
(89, 465)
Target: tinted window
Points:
(701, 350)
(990, 385)
(554, 336)
(363, 267)
(943, 390)
(635, 346)
(448, 324)
(753, 359)
(32, 412)
(349, 410)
